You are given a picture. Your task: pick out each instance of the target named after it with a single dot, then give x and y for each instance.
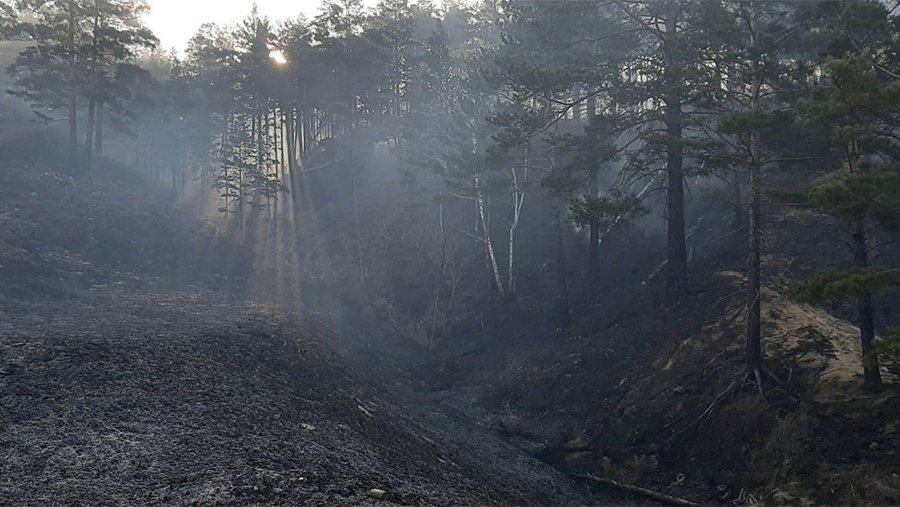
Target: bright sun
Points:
(278, 57)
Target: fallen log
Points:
(649, 493)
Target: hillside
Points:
(657, 397)
(134, 369)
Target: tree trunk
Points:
(518, 195)
(591, 106)
(204, 182)
(73, 91)
(293, 166)
(99, 140)
(73, 131)
(490, 255)
(754, 284)
(92, 101)
(594, 257)
(289, 144)
(240, 173)
(737, 194)
(871, 364)
(563, 319)
(89, 133)
(359, 255)
(676, 268)
(594, 246)
(435, 310)
(263, 141)
(276, 140)
(754, 277)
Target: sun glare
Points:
(278, 57)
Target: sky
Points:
(175, 21)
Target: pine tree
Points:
(115, 36)
(599, 214)
(49, 74)
(861, 105)
(391, 28)
(665, 83)
(752, 45)
(78, 45)
(857, 98)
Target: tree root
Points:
(701, 419)
(649, 493)
(759, 374)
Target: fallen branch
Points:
(649, 493)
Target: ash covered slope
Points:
(133, 371)
(193, 400)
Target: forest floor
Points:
(181, 397)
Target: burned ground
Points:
(111, 404)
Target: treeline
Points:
(589, 107)
(81, 65)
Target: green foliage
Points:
(871, 195)
(889, 344)
(842, 285)
(244, 178)
(561, 182)
(79, 48)
(854, 26)
(605, 211)
(9, 23)
(857, 101)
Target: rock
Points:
(377, 494)
(578, 443)
(579, 456)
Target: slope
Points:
(135, 370)
(646, 394)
